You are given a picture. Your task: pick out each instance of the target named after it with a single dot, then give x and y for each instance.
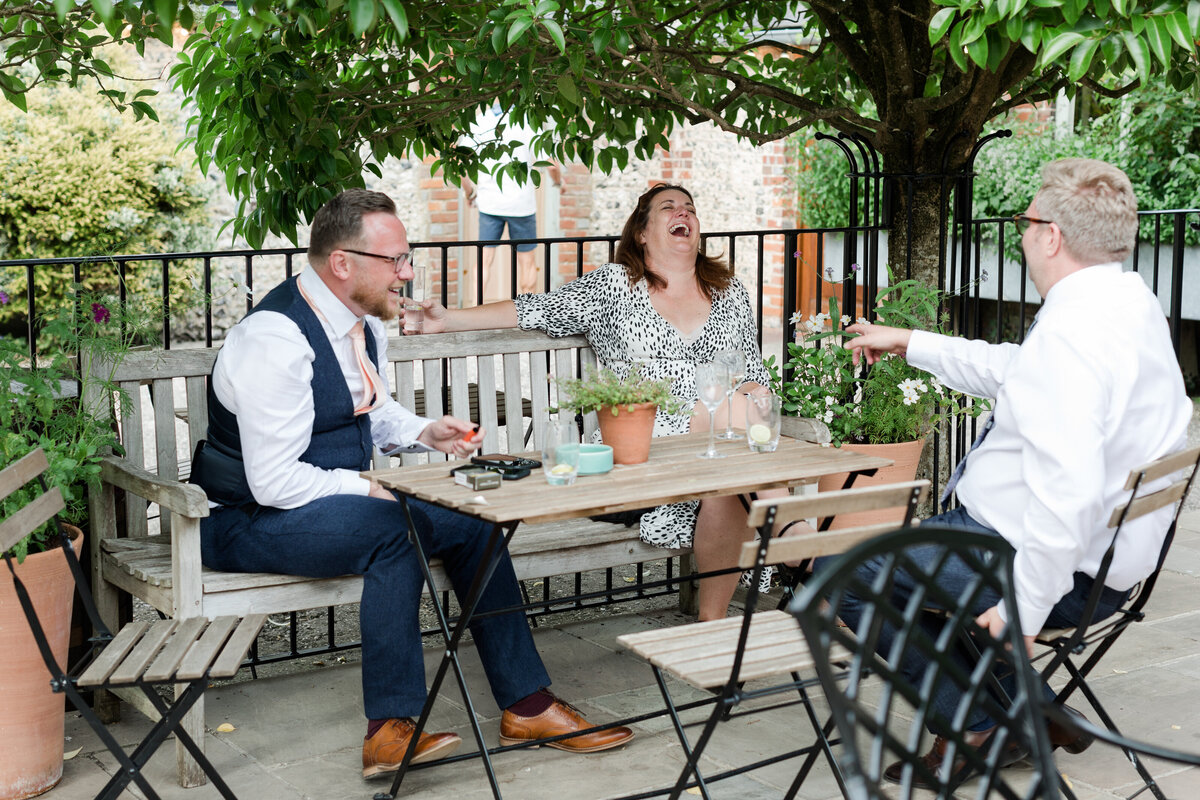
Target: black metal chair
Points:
(884, 720)
(761, 653)
(181, 653)
(1078, 650)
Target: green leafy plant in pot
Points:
(625, 408)
(41, 406)
(887, 409)
(886, 403)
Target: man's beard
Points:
(377, 304)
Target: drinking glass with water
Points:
(762, 422)
(560, 449)
(414, 314)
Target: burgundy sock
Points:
(532, 705)
(373, 726)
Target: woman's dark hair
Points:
(712, 274)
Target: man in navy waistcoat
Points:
(295, 410)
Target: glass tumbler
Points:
(560, 450)
(414, 314)
(762, 422)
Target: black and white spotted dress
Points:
(624, 329)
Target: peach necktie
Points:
(373, 388)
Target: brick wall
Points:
(738, 187)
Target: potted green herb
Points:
(625, 408)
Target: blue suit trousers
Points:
(954, 577)
(351, 534)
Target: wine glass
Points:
(711, 380)
(735, 362)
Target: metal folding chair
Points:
(185, 654)
(884, 720)
(1151, 487)
(733, 657)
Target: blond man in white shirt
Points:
(1093, 391)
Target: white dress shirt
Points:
(263, 376)
(1094, 391)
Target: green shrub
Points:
(820, 174)
(1156, 140)
(82, 179)
(1155, 148)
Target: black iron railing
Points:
(992, 299)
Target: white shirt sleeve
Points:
(971, 366)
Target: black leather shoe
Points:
(962, 770)
(1068, 737)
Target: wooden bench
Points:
(493, 377)
(150, 546)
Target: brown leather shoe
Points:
(962, 770)
(384, 751)
(1069, 738)
(556, 720)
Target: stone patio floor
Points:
(299, 735)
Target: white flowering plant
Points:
(885, 403)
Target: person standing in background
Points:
(506, 203)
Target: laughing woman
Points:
(665, 307)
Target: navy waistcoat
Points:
(340, 440)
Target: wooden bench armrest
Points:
(180, 498)
(805, 429)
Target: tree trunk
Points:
(915, 233)
(919, 240)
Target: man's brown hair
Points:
(339, 222)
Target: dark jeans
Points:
(350, 534)
(954, 577)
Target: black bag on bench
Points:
(626, 518)
(221, 475)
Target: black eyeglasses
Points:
(1023, 221)
(398, 262)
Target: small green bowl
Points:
(595, 459)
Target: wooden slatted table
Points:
(673, 473)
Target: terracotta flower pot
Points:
(628, 433)
(905, 457)
(31, 716)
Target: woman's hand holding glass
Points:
(711, 382)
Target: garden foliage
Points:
(884, 403)
(50, 407)
(1153, 134)
(81, 179)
